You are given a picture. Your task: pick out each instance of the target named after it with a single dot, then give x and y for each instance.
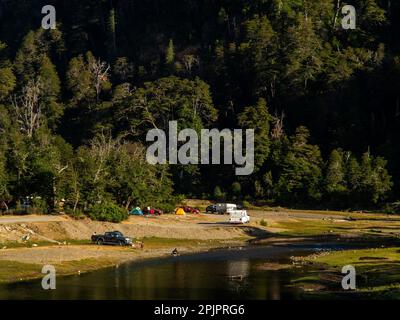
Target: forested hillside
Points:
(76, 102)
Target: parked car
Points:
(238, 216)
(150, 210)
(223, 208)
(112, 237)
(211, 209)
(191, 210)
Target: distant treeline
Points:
(76, 102)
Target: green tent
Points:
(137, 212)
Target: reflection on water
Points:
(221, 274)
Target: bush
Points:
(236, 190)
(218, 194)
(77, 214)
(392, 208)
(108, 211)
(246, 204)
(264, 223)
(39, 206)
(167, 207)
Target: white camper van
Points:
(223, 208)
(238, 216)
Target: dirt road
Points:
(30, 218)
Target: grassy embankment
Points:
(358, 225)
(375, 228)
(378, 270)
(377, 273)
(13, 271)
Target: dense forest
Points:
(76, 102)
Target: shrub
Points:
(77, 214)
(236, 189)
(218, 194)
(39, 206)
(108, 211)
(392, 208)
(167, 207)
(264, 223)
(246, 204)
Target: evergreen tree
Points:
(258, 118)
(50, 91)
(335, 183)
(300, 177)
(235, 60)
(170, 54)
(112, 39)
(7, 82)
(4, 194)
(303, 54)
(259, 49)
(375, 180)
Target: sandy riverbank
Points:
(63, 241)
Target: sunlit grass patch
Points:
(361, 257)
(377, 272)
(12, 271)
(319, 227)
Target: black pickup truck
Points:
(113, 237)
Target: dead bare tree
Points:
(101, 148)
(335, 18)
(99, 70)
(277, 131)
(27, 107)
(59, 168)
(189, 61)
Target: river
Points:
(217, 274)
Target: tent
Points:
(180, 212)
(137, 212)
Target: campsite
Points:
(65, 242)
(202, 150)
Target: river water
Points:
(218, 274)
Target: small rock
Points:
(34, 245)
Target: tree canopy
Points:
(77, 101)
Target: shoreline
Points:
(62, 242)
(86, 265)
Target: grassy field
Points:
(365, 227)
(377, 273)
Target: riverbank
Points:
(63, 242)
(20, 264)
(376, 270)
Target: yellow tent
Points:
(180, 212)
